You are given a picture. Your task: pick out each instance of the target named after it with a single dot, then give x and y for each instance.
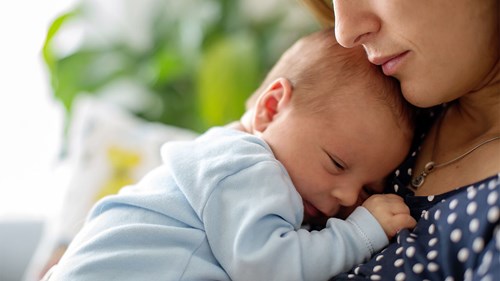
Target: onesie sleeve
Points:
(368, 228)
(252, 221)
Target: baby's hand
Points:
(391, 212)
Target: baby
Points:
(323, 132)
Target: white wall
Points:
(30, 120)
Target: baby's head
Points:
(337, 124)
(316, 67)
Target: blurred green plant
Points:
(189, 63)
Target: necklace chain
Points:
(431, 165)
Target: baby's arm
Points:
(252, 222)
(391, 212)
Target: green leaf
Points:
(228, 74)
(85, 72)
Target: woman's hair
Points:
(317, 67)
(322, 10)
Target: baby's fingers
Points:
(400, 221)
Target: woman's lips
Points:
(390, 64)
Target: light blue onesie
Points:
(220, 208)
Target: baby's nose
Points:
(346, 197)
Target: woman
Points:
(445, 53)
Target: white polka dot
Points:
(422, 214)
(425, 215)
(487, 278)
(400, 276)
(433, 242)
(497, 237)
(463, 254)
(377, 268)
(468, 275)
(410, 252)
(437, 214)
(456, 235)
(432, 228)
(492, 184)
(493, 214)
(432, 254)
(399, 262)
(397, 173)
(418, 268)
(486, 263)
(452, 218)
(351, 276)
(471, 192)
(409, 172)
(378, 258)
(396, 188)
(471, 208)
(356, 270)
(399, 250)
(433, 267)
(375, 277)
(414, 235)
(478, 244)
(481, 187)
(414, 153)
(449, 278)
(410, 240)
(453, 204)
(492, 198)
(474, 225)
(430, 198)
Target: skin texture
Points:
(446, 54)
(336, 157)
(449, 51)
(336, 150)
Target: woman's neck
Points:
(479, 110)
(468, 121)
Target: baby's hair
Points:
(317, 66)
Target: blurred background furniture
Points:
(19, 237)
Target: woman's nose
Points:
(355, 22)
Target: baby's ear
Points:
(271, 102)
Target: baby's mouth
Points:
(312, 214)
(310, 210)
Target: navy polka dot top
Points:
(457, 236)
